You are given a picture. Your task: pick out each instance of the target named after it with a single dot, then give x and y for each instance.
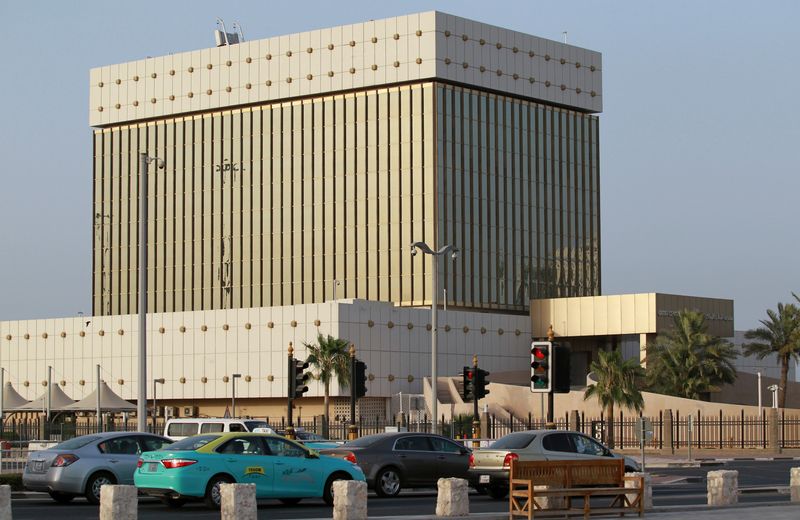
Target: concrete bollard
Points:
(349, 500)
(453, 497)
(723, 487)
(548, 502)
(118, 502)
(794, 484)
(238, 502)
(5, 502)
(647, 495)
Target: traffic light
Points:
(299, 378)
(480, 383)
(541, 366)
(360, 379)
(468, 377)
(561, 362)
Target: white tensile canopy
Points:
(58, 400)
(11, 398)
(109, 402)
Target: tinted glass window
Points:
(514, 441)
(212, 427)
(153, 443)
(252, 425)
(557, 442)
(587, 446)
(417, 443)
(283, 448)
(182, 429)
(363, 442)
(236, 427)
(77, 442)
(444, 445)
(192, 443)
(119, 446)
(242, 446)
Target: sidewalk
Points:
(707, 457)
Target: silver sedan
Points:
(81, 466)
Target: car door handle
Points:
(441, 457)
(279, 463)
(230, 460)
(401, 456)
(113, 461)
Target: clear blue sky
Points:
(699, 134)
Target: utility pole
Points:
(352, 430)
(551, 424)
(290, 393)
(476, 418)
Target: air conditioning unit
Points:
(159, 411)
(171, 411)
(190, 411)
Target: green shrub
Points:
(12, 479)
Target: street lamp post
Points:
(141, 401)
(160, 381)
(421, 246)
(234, 377)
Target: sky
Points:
(699, 132)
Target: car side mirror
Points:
(312, 454)
(464, 451)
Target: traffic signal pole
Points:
(352, 430)
(290, 393)
(476, 418)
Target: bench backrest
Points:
(570, 473)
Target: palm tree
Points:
(779, 335)
(689, 362)
(330, 357)
(617, 384)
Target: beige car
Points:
(489, 467)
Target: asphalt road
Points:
(690, 490)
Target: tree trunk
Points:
(610, 432)
(784, 377)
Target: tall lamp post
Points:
(234, 377)
(159, 381)
(453, 251)
(141, 401)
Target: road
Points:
(690, 490)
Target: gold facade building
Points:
(297, 197)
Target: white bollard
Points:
(453, 497)
(349, 500)
(794, 484)
(238, 501)
(118, 502)
(723, 487)
(5, 502)
(647, 495)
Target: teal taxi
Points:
(195, 467)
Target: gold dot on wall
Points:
(248, 60)
(374, 67)
(531, 54)
(374, 39)
(63, 334)
(465, 65)
(465, 329)
(190, 69)
(228, 88)
(288, 80)
(44, 382)
(248, 379)
(62, 383)
(204, 379)
(409, 325)
(44, 335)
(120, 332)
(293, 323)
(153, 100)
(483, 330)
(270, 325)
(182, 328)
(447, 328)
(517, 332)
(464, 37)
(203, 328)
(225, 379)
(371, 377)
(482, 68)
(410, 378)
(563, 87)
(396, 64)
(209, 92)
(172, 72)
(547, 83)
(288, 54)
(190, 94)
(81, 334)
(136, 103)
(136, 78)
(182, 380)
(578, 90)
(101, 333)
(247, 326)
(120, 381)
(8, 337)
(499, 72)
(118, 81)
(352, 43)
(209, 66)
(100, 84)
(154, 75)
(419, 61)
(390, 377)
(447, 61)
(593, 93)
(577, 64)
(370, 323)
(592, 68)
(99, 109)
(330, 73)
(309, 77)
(268, 83)
(352, 70)
(27, 336)
(162, 330)
(419, 32)
(225, 327)
(117, 106)
(515, 50)
(390, 324)
(171, 97)
(270, 378)
(248, 86)
(499, 45)
(515, 76)
(26, 383)
(500, 331)
(482, 41)
(330, 46)
(546, 57)
(317, 323)
(531, 80)
(229, 63)
(447, 34)
(396, 36)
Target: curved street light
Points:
(426, 249)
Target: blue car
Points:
(195, 467)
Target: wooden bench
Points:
(568, 479)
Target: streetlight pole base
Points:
(290, 432)
(352, 432)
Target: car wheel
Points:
(213, 496)
(497, 492)
(327, 493)
(61, 498)
(387, 482)
(97, 481)
(290, 501)
(173, 502)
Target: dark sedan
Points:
(393, 461)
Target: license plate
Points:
(484, 479)
(152, 467)
(38, 466)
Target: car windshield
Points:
(363, 442)
(252, 425)
(513, 441)
(192, 443)
(76, 443)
